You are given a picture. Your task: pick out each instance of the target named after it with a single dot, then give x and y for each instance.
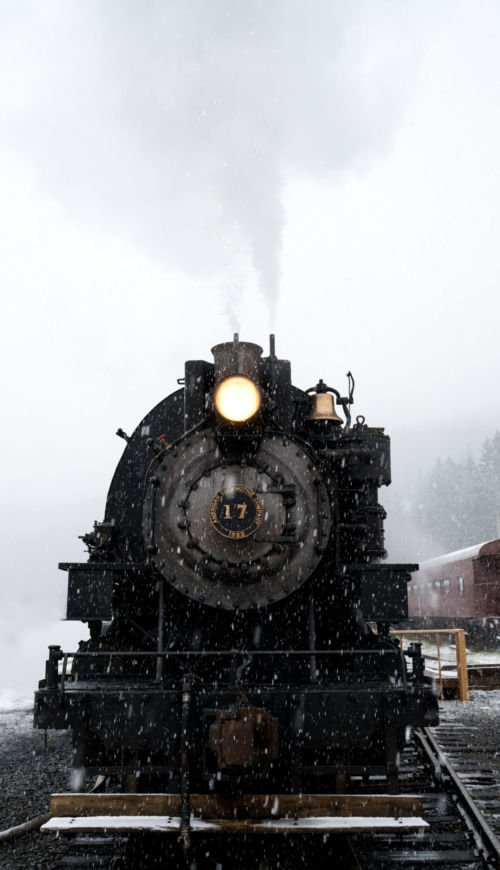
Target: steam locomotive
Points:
(232, 593)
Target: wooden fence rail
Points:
(462, 679)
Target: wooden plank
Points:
(171, 824)
(78, 804)
(405, 631)
(252, 806)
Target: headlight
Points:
(237, 399)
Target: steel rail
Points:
(488, 843)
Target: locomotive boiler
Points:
(232, 593)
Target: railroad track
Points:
(459, 835)
(461, 803)
(481, 778)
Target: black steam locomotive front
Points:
(229, 593)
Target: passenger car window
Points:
(461, 585)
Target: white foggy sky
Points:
(172, 171)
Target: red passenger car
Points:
(460, 590)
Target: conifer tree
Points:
(458, 503)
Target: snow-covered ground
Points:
(14, 700)
(483, 703)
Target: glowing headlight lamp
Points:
(237, 395)
(237, 399)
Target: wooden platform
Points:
(253, 813)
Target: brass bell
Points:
(322, 407)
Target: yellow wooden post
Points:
(438, 645)
(463, 677)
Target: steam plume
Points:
(178, 124)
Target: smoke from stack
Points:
(177, 125)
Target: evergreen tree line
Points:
(458, 503)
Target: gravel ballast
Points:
(29, 773)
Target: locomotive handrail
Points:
(233, 652)
(189, 654)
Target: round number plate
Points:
(236, 512)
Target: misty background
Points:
(173, 172)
